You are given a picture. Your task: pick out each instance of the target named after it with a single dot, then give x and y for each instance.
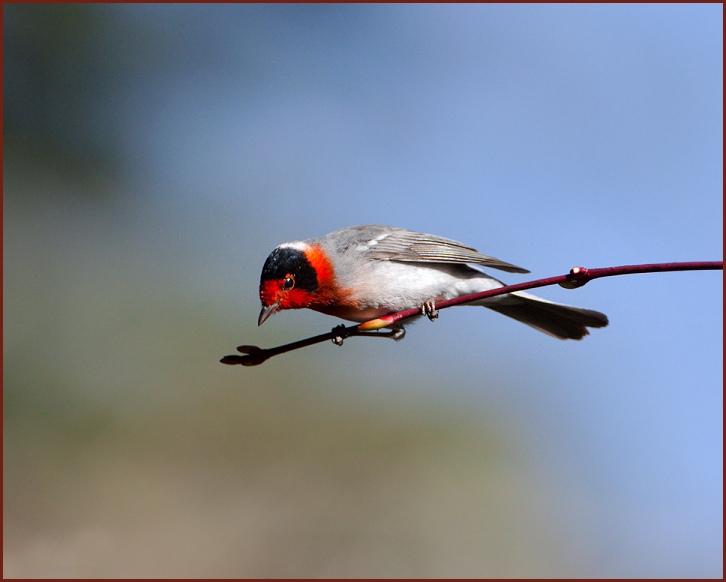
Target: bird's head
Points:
(292, 278)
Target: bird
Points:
(363, 272)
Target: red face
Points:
(284, 294)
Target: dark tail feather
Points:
(560, 321)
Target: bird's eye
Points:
(288, 283)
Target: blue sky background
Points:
(545, 135)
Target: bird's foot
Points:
(341, 333)
(397, 333)
(429, 309)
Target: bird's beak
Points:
(266, 312)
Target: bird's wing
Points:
(415, 247)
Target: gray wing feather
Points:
(397, 244)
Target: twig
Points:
(577, 277)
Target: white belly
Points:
(391, 286)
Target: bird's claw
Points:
(341, 333)
(397, 334)
(429, 309)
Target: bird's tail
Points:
(555, 319)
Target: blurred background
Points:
(154, 156)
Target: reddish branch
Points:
(577, 277)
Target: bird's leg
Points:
(429, 309)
